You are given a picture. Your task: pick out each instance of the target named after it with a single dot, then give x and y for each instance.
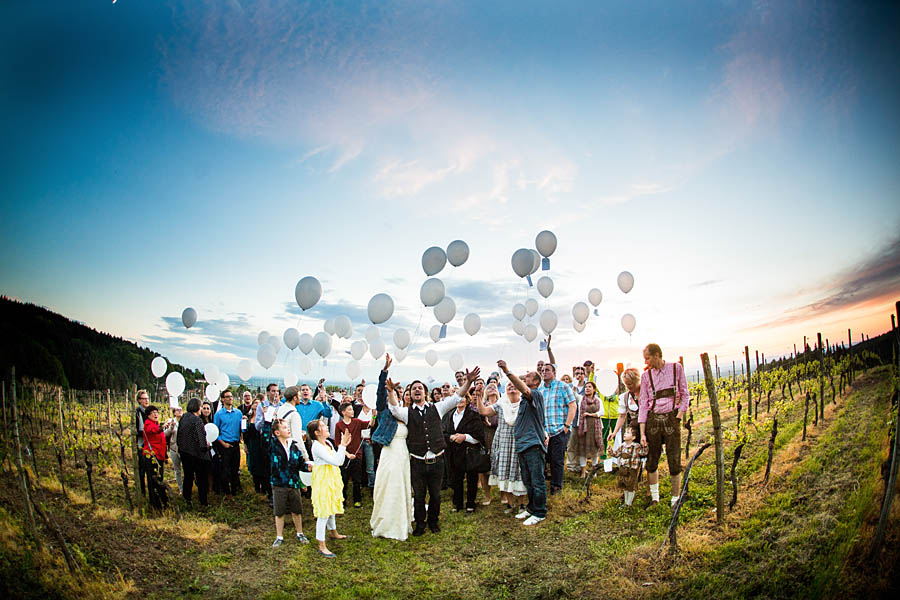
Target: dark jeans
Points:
(229, 467)
(556, 450)
(369, 456)
(457, 476)
(426, 478)
(157, 492)
(195, 468)
(353, 470)
(531, 464)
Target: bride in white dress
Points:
(392, 513)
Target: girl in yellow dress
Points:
(327, 486)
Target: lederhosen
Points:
(629, 467)
(664, 428)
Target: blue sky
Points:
(738, 158)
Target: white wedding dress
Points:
(392, 512)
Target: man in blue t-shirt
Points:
(310, 409)
(228, 420)
(531, 443)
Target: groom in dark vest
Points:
(426, 444)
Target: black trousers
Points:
(195, 469)
(426, 478)
(229, 470)
(142, 468)
(156, 489)
(457, 476)
(352, 470)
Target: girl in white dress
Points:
(392, 513)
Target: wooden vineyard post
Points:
(23, 479)
(805, 415)
(62, 437)
(134, 447)
(891, 483)
(759, 385)
(821, 379)
(749, 387)
(717, 433)
(850, 355)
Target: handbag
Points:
(478, 459)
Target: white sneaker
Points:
(674, 502)
(523, 515)
(533, 520)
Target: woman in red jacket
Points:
(154, 456)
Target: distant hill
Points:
(47, 346)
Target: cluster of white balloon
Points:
(525, 263)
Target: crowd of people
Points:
(511, 432)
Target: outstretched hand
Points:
(501, 364)
(345, 438)
(547, 341)
(387, 362)
(473, 374)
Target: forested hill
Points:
(50, 347)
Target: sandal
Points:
(326, 554)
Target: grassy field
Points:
(804, 535)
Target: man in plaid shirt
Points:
(559, 412)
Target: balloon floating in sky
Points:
(531, 307)
(372, 334)
(158, 366)
(353, 369)
(376, 349)
(322, 344)
(535, 261)
(518, 327)
(432, 291)
(401, 339)
(308, 292)
(545, 242)
(545, 286)
(433, 260)
(580, 312)
(175, 384)
(189, 317)
(399, 355)
(328, 326)
(472, 323)
(435, 333)
(530, 332)
(305, 365)
(522, 262)
(266, 356)
(211, 374)
(579, 327)
(628, 322)
(431, 357)
(518, 311)
(343, 327)
(625, 281)
(548, 321)
(456, 362)
(291, 338)
(358, 349)
(457, 253)
(381, 307)
(305, 343)
(595, 296)
(245, 369)
(274, 342)
(445, 310)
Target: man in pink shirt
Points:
(664, 400)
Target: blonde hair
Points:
(631, 374)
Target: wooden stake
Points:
(821, 379)
(749, 387)
(850, 354)
(23, 480)
(717, 433)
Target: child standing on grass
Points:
(327, 486)
(286, 462)
(352, 469)
(629, 454)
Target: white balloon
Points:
(628, 322)
(343, 327)
(433, 260)
(545, 286)
(456, 362)
(579, 327)
(457, 253)
(212, 432)
(376, 349)
(291, 338)
(519, 311)
(431, 357)
(358, 349)
(328, 326)
(263, 337)
(530, 332)
(580, 312)
(545, 242)
(353, 369)
(548, 321)
(370, 395)
(305, 343)
(189, 317)
(536, 261)
(432, 291)
(175, 383)
(445, 310)
(399, 355)
(308, 292)
(211, 374)
(266, 356)
(401, 339)
(381, 307)
(625, 281)
(435, 333)
(212, 392)
(290, 379)
(531, 307)
(595, 296)
(607, 382)
(472, 323)
(275, 342)
(245, 369)
(372, 334)
(306, 365)
(224, 381)
(158, 366)
(322, 344)
(518, 327)
(522, 262)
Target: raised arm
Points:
(514, 379)
(470, 377)
(550, 352)
(486, 411)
